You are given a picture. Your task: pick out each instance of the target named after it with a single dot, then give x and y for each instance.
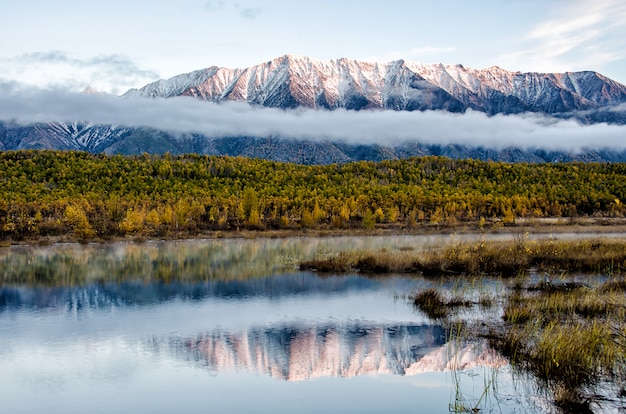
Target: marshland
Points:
(539, 334)
(563, 307)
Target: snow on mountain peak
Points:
(90, 91)
(291, 81)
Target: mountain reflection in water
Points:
(334, 350)
(321, 343)
(136, 293)
(174, 326)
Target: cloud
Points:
(214, 6)
(56, 69)
(586, 33)
(251, 12)
(365, 127)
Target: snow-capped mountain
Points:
(292, 81)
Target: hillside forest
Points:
(96, 196)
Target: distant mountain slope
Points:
(129, 141)
(293, 81)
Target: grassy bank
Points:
(507, 258)
(537, 226)
(570, 336)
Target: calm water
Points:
(230, 326)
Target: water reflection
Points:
(111, 295)
(194, 260)
(298, 353)
(186, 325)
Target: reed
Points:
(435, 305)
(431, 302)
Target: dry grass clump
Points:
(435, 305)
(340, 263)
(615, 285)
(551, 304)
(473, 259)
(431, 302)
(517, 256)
(593, 255)
(571, 401)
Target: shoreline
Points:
(547, 226)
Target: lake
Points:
(231, 325)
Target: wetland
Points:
(240, 324)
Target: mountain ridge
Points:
(292, 81)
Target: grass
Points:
(436, 306)
(508, 258)
(365, 262)
(432, 303)
(569, 335)
(570, 339)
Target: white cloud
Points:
(586, 33)
(251, 12)
(56, 69)
(366, 127)
(214, 6)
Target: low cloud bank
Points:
(363, 127)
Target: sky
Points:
(52, 50)
(115, 45)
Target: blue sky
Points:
(115, 45)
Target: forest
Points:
(96, 196)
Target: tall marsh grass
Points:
(507, 258)
(570, 339)
(570, 336)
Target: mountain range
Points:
(290, 82)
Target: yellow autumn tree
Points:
(76, 218)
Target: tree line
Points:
(47, 193)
